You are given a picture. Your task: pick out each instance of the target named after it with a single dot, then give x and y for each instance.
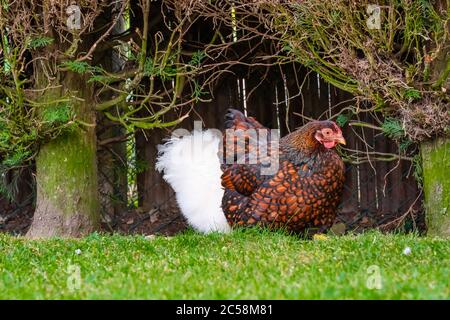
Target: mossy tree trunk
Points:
(66, 170)
(436, 154)
(436, 184)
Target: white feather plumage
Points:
(191, 165)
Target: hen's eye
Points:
(327, 132)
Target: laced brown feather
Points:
(305, 191)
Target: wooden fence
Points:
(377, 193)
(284, 97)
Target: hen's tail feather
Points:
(252, 134)
(191, 165)
(234, 119)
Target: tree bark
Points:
(436, 185)
(66, 171)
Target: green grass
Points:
(248, 264)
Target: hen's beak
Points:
(340, 140)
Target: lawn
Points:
(248, 264)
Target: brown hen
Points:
(302, 194)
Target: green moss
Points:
(436, 183)
(66, 168)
